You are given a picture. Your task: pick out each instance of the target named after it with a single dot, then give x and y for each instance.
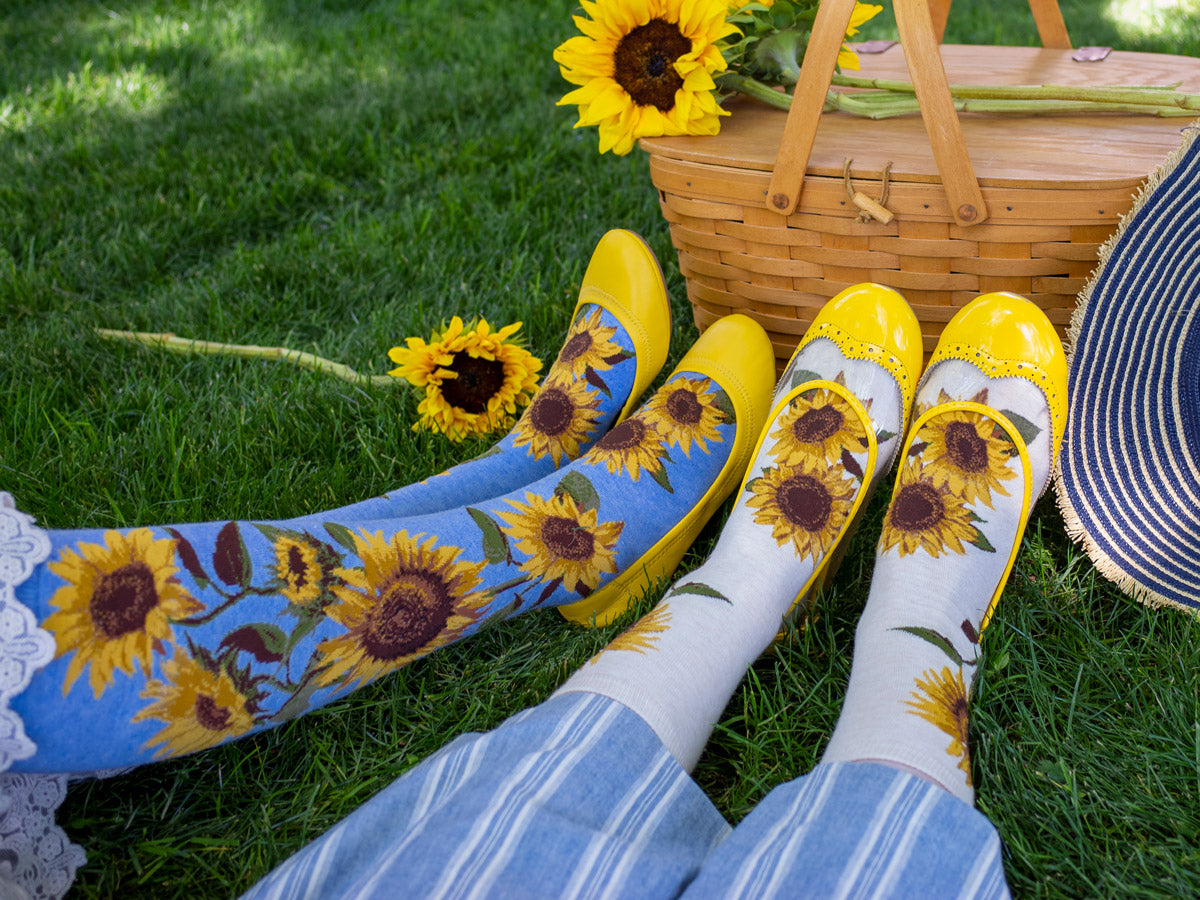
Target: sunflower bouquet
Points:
(649, 68)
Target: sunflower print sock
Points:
(578, 400)
(168, 640)
(953, 521)
(679, 665)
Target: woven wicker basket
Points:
(768, 216)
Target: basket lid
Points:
(1069, 151)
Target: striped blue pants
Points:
(578, 798)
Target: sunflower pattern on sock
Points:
(941, 700)
(567, 411)
(173, 639)
(688, 414)
(954, 466)
(641, 636)
(806, 496)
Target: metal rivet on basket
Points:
(780, 200)
(967, 212)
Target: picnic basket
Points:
(773, 216)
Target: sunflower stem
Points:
(878, 98)
(751, 87)
(172, 344)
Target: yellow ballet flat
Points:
(736, 353)
(1005, 335)
(872, 322)
(624, 277)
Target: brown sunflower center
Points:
(962, 716)
(804, 502)
(684, 407)
(122, 599)
(917, 507)
(817, 424)
(413, 609)
(578, 345)
(211, 714)
(644, 63)
(478, 381)
(551, 412)
(625, 436)
(965, 448)
(567, 539)
(297, 566)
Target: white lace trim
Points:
(37, 860)
(24, 647)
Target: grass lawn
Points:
(333, 176)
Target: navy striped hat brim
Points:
(1129, 476)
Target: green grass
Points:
(335, 176)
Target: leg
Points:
(888, 812)
(196, 634)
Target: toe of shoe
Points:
(1005, 334)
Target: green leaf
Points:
(579, 488)
(722, 402)
(342, 535)
(938, 640)
(495, 544)
(272, 533)
(982, 542)
(701, 589)
(799, 376)
(660, 475)
(884, 435)
(1025, 428)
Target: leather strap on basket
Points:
(919, 38)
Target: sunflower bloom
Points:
(634, 445)
(925, 517)
(474, 378)
(642, 635)
(201, 708)
(304, 567)
(942, 701)
(819, 425)
(684, 412)
(645, 68)
(409, 598)
(589, 345)
(969, 454)
(805, 505)
(562, 541)
(562, 416)
(117, 605)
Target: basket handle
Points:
(1052, 30)
(919, 37)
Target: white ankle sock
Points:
(946, 545)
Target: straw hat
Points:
(1129, 475)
